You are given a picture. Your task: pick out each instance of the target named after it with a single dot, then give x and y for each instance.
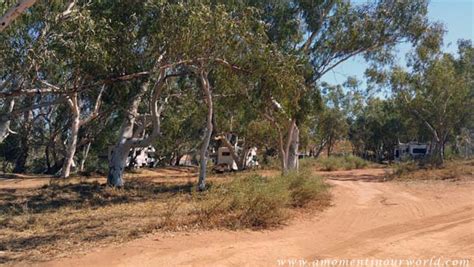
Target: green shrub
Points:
(334, 163)
(257, 202)
(403, 168)
(253, 201)
(419, 170)
(305, 187)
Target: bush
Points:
(334, 163)
(253, 201)
(416, 170)
(258, 202)
(305, 188)
(403, 168)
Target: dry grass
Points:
(38, 224)
(452, 170)
(59, 219)
(260, 202)
(337, 163)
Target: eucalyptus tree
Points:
(181, 128)
(63, 53)
(328, 32)
(437, 91)
(13, 12)
(75, 57)
(190, 39)
(67, 54)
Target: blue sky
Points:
(457, 17)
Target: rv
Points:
(139, 157)
(224, 160)
(411, 150)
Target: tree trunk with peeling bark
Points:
(5, 122)
(129, 138)
(208, 132)
(119, 154)
(71, 146)
(76, 124)
(293, 160)
(289, 151)
(74, 132)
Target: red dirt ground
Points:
(368, 219)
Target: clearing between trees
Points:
(368, 218)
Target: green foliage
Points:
(335, 163)
(259, 202)
(404, 168)
(452, 170)
(437, 92)
(304, 187)
(258, 54)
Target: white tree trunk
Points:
(85, 153)
(14, 12)
(117, 164)
(120, 152)
(5, 122)
(209, 127)
(293, 160)
(76, 123)
(128, 139)
(239, 159)
(71, 146)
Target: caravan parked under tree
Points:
(411, 150)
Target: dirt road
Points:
(368, 219)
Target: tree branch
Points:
(14, 12)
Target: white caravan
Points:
(141, 157)
(225, 161)
(224, 157)
(410, 150)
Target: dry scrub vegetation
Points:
(337, 163)
(47, 222)
(452, 170)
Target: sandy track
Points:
(368, 219)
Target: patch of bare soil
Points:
(368, 219)
(44, 217)
(172, 175)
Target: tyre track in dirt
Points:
(368, 219)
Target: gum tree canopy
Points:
(100, 75)
(322, 35)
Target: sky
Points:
(457, 17)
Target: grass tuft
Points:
(259, 202)
(43, 223)
(452, 170)
(336, 163)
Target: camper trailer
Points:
(412, 150)
(139, 157)
(224, 160)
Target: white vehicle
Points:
(224, 157)
(410, 150)
(225, 161)
(142, 157)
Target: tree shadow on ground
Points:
(359, 178)
(84, 194)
